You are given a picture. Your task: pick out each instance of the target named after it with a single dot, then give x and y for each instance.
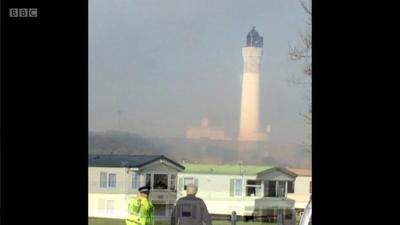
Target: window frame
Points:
(235, 191)
(170, 182)
(260, 186)
(292, 191)
(275, 188)
(107, 181)
(278, 184)
(152, 173)
(150, 179)
(135, 181)
(103, 183)
(269, 191)
(160, 173)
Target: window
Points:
(290, 187)
(160, 181)
(103, 180)
(276, 188)
(156, 181)
(112, 180)
(271, 188)
(135, 181)
(148, 179)
(108, 180)
(253, 188)
(238, 187)
(281, 189)
(172, 185)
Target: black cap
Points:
(145, 189)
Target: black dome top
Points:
(254, 39)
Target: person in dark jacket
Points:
(190, 210)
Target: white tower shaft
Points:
(250, 102)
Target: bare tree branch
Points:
(303, 53)
(306, 6)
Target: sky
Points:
(157, 67)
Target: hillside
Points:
(197, 151)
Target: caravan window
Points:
(108, 180)
(157, 181)
(271, 189)
(290, 186)
(238, 187)
(112, 180)
(275, 188)
(281, 189)
(135, 181)
(148, 179)
(253, 188)
(103, 180)
(172, 185)
(160, 181)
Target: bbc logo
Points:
(23, 12)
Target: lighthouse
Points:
(250, 98)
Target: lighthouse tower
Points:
(250, 99)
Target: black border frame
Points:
(44, 112)
(44, 118)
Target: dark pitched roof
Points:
(126, 160)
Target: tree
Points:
(303, 52)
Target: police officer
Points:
(190, 210)
(141, 210)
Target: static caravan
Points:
(249, 190)
(115, 179)
(302, 189)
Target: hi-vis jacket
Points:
(141, 212)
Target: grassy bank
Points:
(103, 221)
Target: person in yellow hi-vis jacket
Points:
(141, 210)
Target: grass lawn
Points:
(102, 221)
